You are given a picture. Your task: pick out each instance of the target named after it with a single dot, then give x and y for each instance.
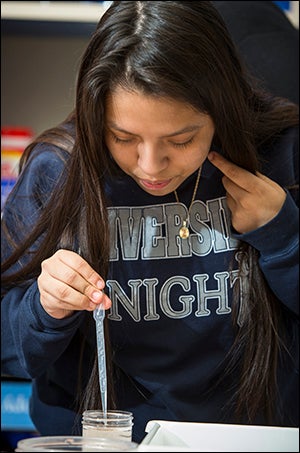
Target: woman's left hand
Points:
(253, 199)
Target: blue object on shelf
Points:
(15, 406)
(283, 5)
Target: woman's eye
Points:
(183, 144)
(126, 141)
(121, 140)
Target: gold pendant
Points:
(184, 231)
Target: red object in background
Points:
(13, 142)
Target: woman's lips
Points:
(155, 185)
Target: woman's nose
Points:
(152, 159)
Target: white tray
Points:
(187, 436)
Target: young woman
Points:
(169, 197)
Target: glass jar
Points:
(116, 424)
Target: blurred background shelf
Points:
(54, 11)
(37, 17)
(51, 18)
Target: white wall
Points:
(38, 76)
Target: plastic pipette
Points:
(99, 314)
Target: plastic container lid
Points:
(74, 443)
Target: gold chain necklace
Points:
(184, 229)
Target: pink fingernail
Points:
(96, 295)
(100, 284)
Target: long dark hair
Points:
(180, 50)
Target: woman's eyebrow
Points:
(190, 128)
(113, 125)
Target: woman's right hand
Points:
(67, 283)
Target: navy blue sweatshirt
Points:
(171, 315)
